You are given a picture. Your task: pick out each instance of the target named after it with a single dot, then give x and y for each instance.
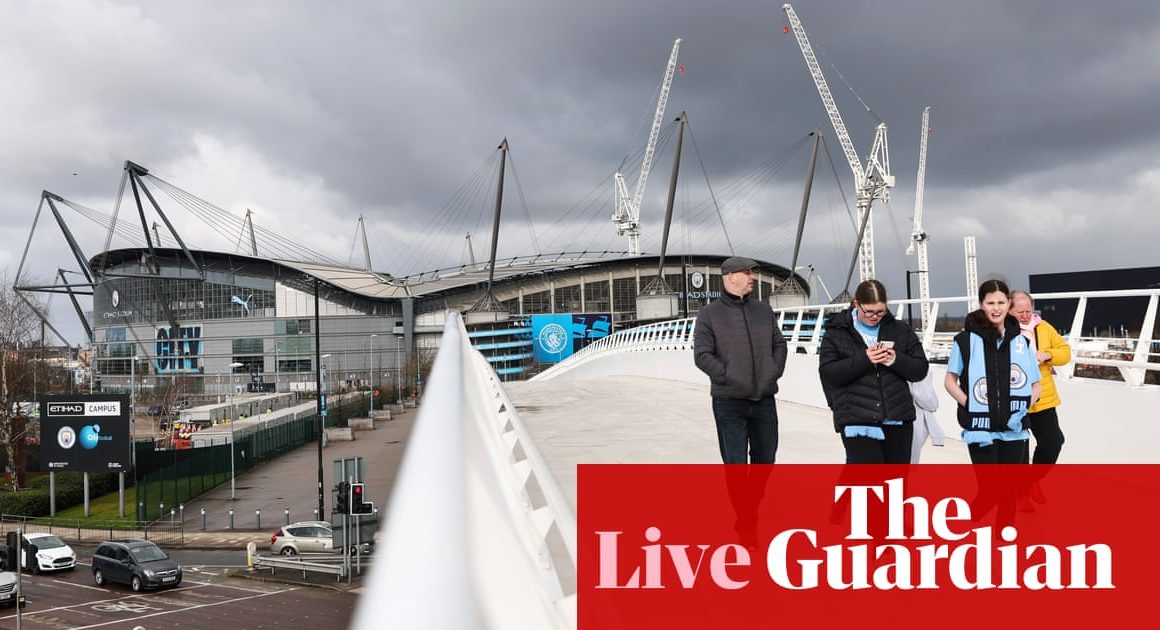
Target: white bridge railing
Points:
(478, 534)
(1131, 358)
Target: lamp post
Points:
(133, 389)
(398, 369)
(233, 419)
(318, 377)
(322, 379)
(374, 371)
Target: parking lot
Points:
(205, 599)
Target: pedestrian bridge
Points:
(481, 530)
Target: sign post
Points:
(87, 433)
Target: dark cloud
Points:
(1040, 109)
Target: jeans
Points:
(746, 430)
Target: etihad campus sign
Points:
(86, 433)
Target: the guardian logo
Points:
(66, 409)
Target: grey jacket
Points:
(737, 343)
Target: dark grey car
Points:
(139, 563)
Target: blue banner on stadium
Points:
(557, 337)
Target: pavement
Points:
(286, 489)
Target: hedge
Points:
(70, 490)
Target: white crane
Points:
(918, 237)
(971, 262)
(872, 181)
(626, 214)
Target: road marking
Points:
(103, 601)
(95, 588)
(169, 612)
(131, 607)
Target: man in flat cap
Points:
(738, 344)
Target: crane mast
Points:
(872, 181)
(918, 237)
(971, 260)
(626, 214)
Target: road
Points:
(209, 597)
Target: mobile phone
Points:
(886, 345)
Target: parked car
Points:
(309, 537)
(154, 411)
(50, 553)
(302, 537)
(139, 563)
(8, 589)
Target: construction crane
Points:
(971, 263)
(872, 181)
(626, 214)
(918, 236)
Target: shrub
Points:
(70, 491)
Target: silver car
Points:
(8, 589)
(302, 537)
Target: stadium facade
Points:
(187, 316)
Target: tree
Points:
(22, 375)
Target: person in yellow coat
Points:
(1050, 350)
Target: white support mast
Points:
(626, 214)
(918, 237)
(248, 227)
(362, 227)
(872, 181)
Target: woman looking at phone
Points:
(867, 361)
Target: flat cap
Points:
(737, 263)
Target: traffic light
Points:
(342, 500)
(356, 498)
(11, 551)
(358, 502)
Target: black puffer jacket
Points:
(736, 342)
(860, 392)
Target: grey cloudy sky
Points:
(1044, 142)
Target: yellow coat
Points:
(1047, 339)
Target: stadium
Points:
(204, 323)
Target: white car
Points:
(52, 554)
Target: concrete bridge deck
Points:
(639, 420)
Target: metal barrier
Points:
(305, 563)
(92, 531)
(474, 516)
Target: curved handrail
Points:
(463, 530)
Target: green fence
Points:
(168, 479)
(193, 472)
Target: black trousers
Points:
(895, 449)
(995, 490)
(1044, 426)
